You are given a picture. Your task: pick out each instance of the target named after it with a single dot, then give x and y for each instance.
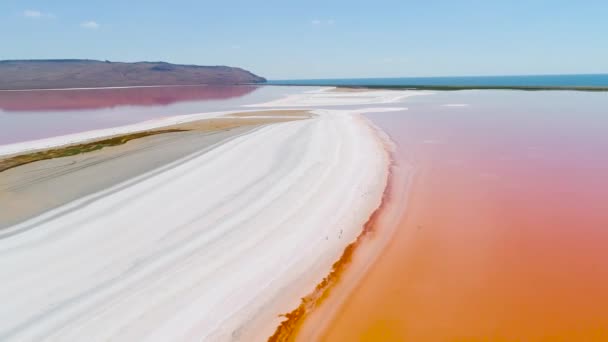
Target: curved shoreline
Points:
(306, 322)
(306, 176)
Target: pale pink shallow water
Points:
(30, 115)
(506, 229)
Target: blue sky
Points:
(319, 39)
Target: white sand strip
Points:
(328, 97)
(201, 249)
(82, 137)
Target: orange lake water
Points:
(505, 236)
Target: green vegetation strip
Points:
(73, 150)
(528, 88)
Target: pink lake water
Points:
(30, 115)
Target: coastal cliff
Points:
(74, 73)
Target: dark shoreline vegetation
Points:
(531, 88)
(73, 150)
(450, 88)
(205, 125)
(574, 82)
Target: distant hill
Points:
(75, 73)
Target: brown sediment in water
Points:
(291, 113)
(239, 119)
(73, 150)
(288, 329)
(47, 179)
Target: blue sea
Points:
(586, 80)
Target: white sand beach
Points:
(214, 241)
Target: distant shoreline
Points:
(528, 88)
(380, 87)
(577, 82)
(445, 88)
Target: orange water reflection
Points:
(506, 234)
